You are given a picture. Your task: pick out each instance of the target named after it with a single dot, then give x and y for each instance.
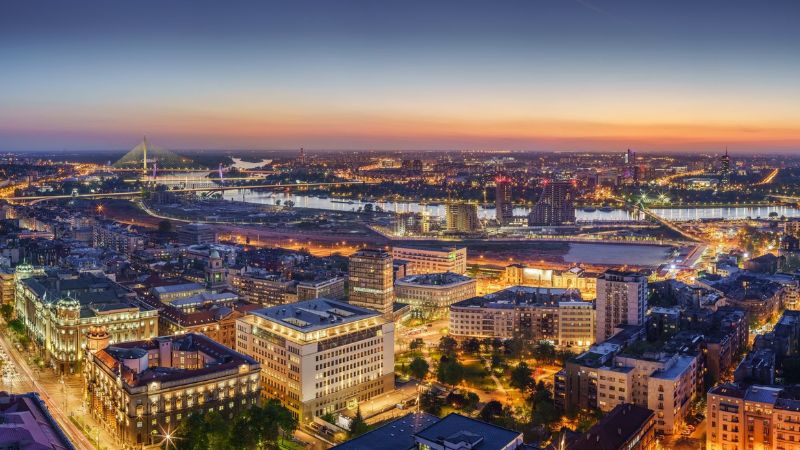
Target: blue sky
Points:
(538, 75)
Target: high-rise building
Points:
(621, 300)
(554, 206)
(371, 280)
(319, 356)
(725, 170)
(504, 208)
(462, 217)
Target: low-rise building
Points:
(59, 310)
(262, 287)
(319, 356)
(26, 424)
(537, 314)
(626, 427)
(425, 431)
(431, 295)
(118, 238)
(171, 292)
(572, 278)
(332, 288)
(754, 417)
(143, 389)
(432, 260)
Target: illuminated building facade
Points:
(573, 278)
(621, 300)
(371, 280)
(143, 390)
(462, 218)
(431, 295)
(432, 260)
(536, 314)
(59, 311)
(319, 356)
(504, 208)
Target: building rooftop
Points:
(615, 429)
(313, 315)
(681, 365)
(214, 357)
(172, 288)
(26, 424)
(461, 432)
(521, 295)
(435, 279)
(395, 435)
(93, 294)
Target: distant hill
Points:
(163, 157)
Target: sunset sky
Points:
(338, 74)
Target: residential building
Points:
(26, 424)
(262, 287)
(504, 207)
(621, 300)
(117, 238)
(332, 288)
(197, 233)
(537, 314)
(8, 279)
(59, 310)
(756, 417)
(431, 295)
(432, 260)
(554, 206)
(462, 218)
(626, 427)
(371, 281)
(319, 356)
(608, 375)
(141, 390)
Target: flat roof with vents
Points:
(316, 314)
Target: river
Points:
(582, 215)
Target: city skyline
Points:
(537, 76)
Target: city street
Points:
(18, 377)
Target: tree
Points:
(522, 377)
(288, 204)
(491, 411)
(514, 347)
(449, 372)
(471, 345)
(358, 426)
(497, 361)
(430, 402)
(192, 433)
(271, 419)
(164, 227)
(447, 345)
(17, 326)
(416, 344)
(419, 368)
(7, 311)
(545, 351)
